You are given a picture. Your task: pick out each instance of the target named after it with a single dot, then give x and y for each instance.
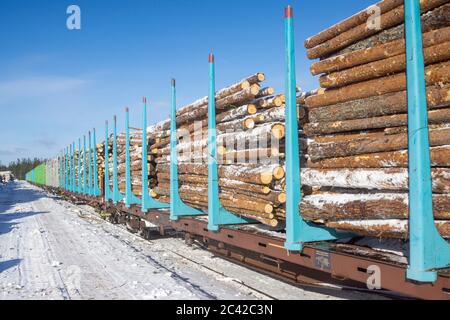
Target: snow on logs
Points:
(356, 177)
(250, 145)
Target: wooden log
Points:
(234, 114)
(397, 120)
(436, 73)
(440, 157)
(230, 90)
(268, 91)
(392, 179)
(253, 174)
(240, 98)
(381, 68)
(344, 206)
(387, 20)
(351, 22)
(252, 155)
(383, 105)
(230, 200)
(372, 144)
(385, 228)
(271, 102)
(376, 53)
(432, 20)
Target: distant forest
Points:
(21, 166)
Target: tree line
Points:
(20, 167)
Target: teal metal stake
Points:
(298, 231)
(130, 198)
(217, 214)
(79, 166)
(147, 202)
(108, 192)
(117, 195)
(96, 191)
(85, 188)
(66, 168)
(74, 183)
(90, 189)
(177, 207)
(428, 250)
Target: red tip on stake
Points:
(173, 82)
(144, 99)
(288, 12)
(126, 109)
(211, 58)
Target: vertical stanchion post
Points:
(85, 188)
(70, 167)
(96, 192)
(66, 168)
(117, 195)
(217, 215)
(80, 190)
(298, 231)
(130, 198)
(146, 201)
(108, 192)
(177, 207)
(90, 189)
(428, 250)
(74, 182)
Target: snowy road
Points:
(51, 249)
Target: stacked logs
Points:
(135, 144)
(357, 122)
(250, 140)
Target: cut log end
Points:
(282, 198)
(278, 131)
(266, 177)
(268, 208)
(249, 123)
(278, 173)
(252, 109)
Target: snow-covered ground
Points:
(51, 249)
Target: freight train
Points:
(281, 237)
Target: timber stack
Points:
(250, 144)
(135, 144)
(357, 165)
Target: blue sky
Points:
(56, 84)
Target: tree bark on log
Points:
(376, 53)
(381, 68)
(437, 73)
(384, 228)
(392, 179)
(230, 90)
(440, 157)
(253, 174)
(432, 20)
(338, 206)
(387, 20)
(383, 105)
(397, 120)
(350, 23)
(372, 144)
